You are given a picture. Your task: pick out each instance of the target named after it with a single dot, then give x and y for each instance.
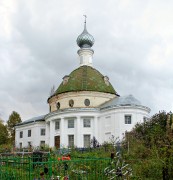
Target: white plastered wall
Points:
(104, 124)
(78, 131)
(96, 99)
(35, 138)
(116, 117)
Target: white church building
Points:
(85, 105)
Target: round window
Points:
(87, 102)
(71, 103)
(58, 105)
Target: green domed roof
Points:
(85, 78)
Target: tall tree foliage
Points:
(14, 119)
(3, 133)
(152, 143)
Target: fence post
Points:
(50, 165)
(30, 168)
(0, 166)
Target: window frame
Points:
(70, 125)
(87, 102)
(86, 122)
(127, 120)
(71, 141)
(57, 127)
(21, 134)
(145, 119)
(86, 144)
(42, 144)
(58, 105)
(29, 133)
(29, 144)
(71, 103)
(41, 132)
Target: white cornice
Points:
(71, 110)
(126, 107)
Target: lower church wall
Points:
(78, 128)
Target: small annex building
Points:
(85, 105)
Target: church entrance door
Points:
(57, 141)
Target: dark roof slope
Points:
(85, 78)
(34, 119)
(121, 101)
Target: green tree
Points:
(14, 119)
(151, 143)
(3, 133)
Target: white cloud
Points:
(134, 47)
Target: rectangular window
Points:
(71, 140)
(87, 123)
(57, 125)
(42, 143)
(87, 140)
(145, 119)
(71, 123)
(29, 133)
(128, 119)
(43, 132)
(21, 134)
(20, 144)
(29, 144)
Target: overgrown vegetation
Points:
(3, 133)
(14, 119)
(7, 131)
(149, 147)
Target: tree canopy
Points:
(14, 119)
(3, 133)
(151, 142)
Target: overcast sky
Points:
(133, 47)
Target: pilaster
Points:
(95, 127)
(52, 133)
(47, 133)
(62, 132)
(78, 132)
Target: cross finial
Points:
(85, 18)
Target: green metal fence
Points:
(47, 168)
